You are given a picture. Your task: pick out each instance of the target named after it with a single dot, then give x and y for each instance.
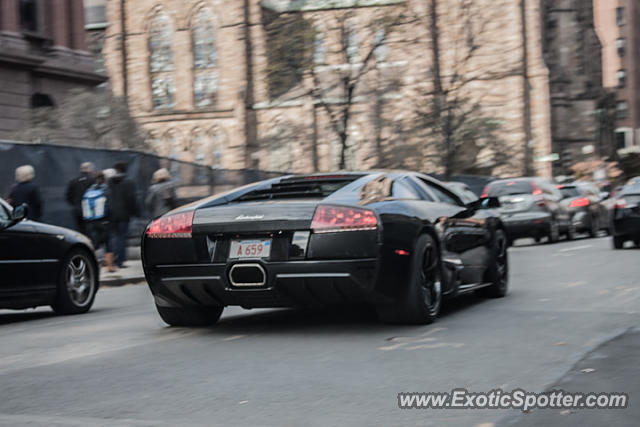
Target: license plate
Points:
(250, 248)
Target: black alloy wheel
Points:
(421, 300)
(498, 271)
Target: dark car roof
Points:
(348, 193)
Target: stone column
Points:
(9, 19)
(60, 23)
(78, 40)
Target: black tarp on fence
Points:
(56, 165)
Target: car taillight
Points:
(621, 203)
(329, 219)
(171, 226)
(579, 203)
(541, 203)
(485, 192)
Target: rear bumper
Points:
(291, 283)
(627, 226)
(527, 225)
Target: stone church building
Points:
(202, 80)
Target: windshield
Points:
(569, 191)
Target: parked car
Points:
(399, 241)
(530, 207)
(585, 204)
(625, 223)
(43, 264)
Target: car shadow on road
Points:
(7, 318)
(329, 320)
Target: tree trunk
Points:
(250, 121)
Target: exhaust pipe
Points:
(247, 275)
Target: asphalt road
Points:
(120, 365)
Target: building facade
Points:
(201, 80)
(43, 54)
(618, 25)
(572, 49)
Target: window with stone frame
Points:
(205, 60)
(352, 44)
(380, 44)
(161, 68)
(319, 47)
(28, 12)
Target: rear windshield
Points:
(507, 188)
(631, 189)
(569, 191)
(312, 187)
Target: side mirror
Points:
(19, 213)
(490, 203)
(604, 195)
(484, 203)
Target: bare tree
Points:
(336, 89)
(85, 118)
(295, 71)
(457, 127)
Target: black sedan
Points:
(583, 200)
(42, 264)
(399, 241)
(625, 217)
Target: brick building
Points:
(198, 76)
(618, 25)
(43, 55)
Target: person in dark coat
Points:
(161, 197)
(122, 207)
(26, 191)
(76, 189)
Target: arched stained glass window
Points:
(205, 60)
(163, 86)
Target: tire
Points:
(618, 242)
(190, 316)
(554, 233)
(77, 283)
(498, 271)
(421, 298)
(571, 231)
(594, 227)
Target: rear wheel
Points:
(618, 242)
(553, 233)
(77, 284)
(422, 297)
(190, 316)
(498, 272)
(571, 231)
(594, 227)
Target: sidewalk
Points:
(133, 273)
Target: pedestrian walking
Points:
(122, 207)
(26, 191)
(95, 213)
(161, 197)
(75, 191)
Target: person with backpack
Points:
(95, 214)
